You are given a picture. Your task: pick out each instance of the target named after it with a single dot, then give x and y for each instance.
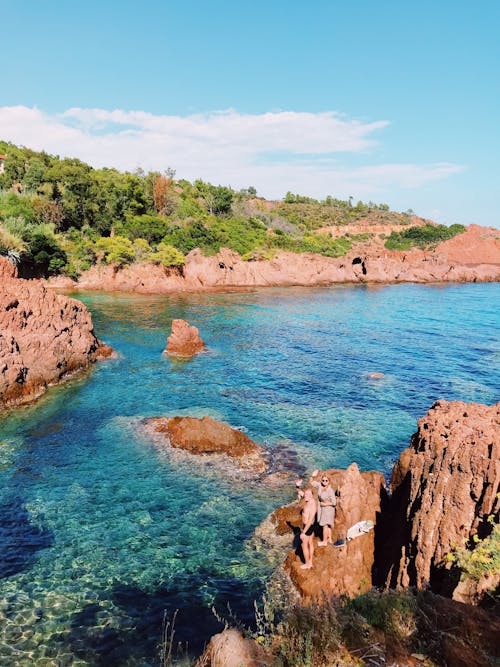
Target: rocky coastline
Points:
(443, 499)
(45, 338)
(473, 256)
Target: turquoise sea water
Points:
(100, 533)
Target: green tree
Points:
(217, 199)
(115, 250)
(167, 255)
(146, 226)
(194, 235)
(35, 174)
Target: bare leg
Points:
(307, 548)
(324, 542)
(311, 551)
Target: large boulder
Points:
(206, 436)
(44, 337)
(184, 341)
(345, 570)
(444, 492)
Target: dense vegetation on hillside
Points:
(61, 216)
(425, 236)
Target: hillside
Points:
(61, 217)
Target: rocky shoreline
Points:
(45, 338)
(473, 256)
(443, 499)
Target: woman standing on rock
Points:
(307, 533)
(326, 507)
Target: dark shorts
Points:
(310, 531)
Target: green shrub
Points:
(18, 226)
(14, 205)
(484, 559)
(190, 236)
(423, 236)
(116, 250)
(43, 252)
(239, 234)
(142, 249)
(152, 228)
(321, 244)
(394, 612)
(10, 242)
(167, 255)
(309, 635)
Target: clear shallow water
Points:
(100, 533)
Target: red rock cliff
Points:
(444, 488)
(470, 257)
(337, 571)
(43, 338)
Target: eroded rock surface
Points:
(345, 570)
(44, 337)
(444, 486)
(207, 436)
(184, 341)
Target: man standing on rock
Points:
(307, 534)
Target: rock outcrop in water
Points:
(184, 341)
(445, 491)
(44, 337)
(444, 488)
(473, 256)
(345, 570)
(206, 436)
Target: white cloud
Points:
(275, 152)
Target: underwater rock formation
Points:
(44, 337)
(184, 341)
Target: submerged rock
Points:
(375, 375)
(206, 436)
(184, 341)
(44, 337)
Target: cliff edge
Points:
(44, 337)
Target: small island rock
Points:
(208, 436)
(184, 341)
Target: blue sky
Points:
(391, 101)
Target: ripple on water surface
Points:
(100, 532)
